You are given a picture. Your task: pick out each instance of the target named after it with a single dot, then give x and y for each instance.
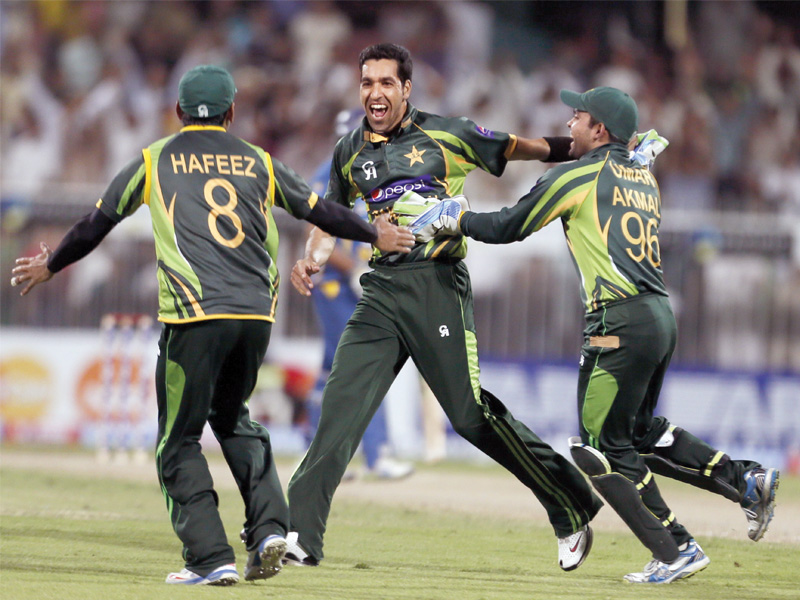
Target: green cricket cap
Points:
(206, 91)
(612, 107)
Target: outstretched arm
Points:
(545, 149)
(32, 270)
(79, 241)
(337, 220)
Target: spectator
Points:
(778, 69)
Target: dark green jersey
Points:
(428, 154)
(610, 209)
(210, 196)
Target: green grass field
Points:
(77, 537)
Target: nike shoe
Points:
(690, 560)
(574, 548)
(295, 555)
(224, 575)
(267, 560)
(758, 502)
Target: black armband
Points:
(84, 237)
(559, 149)
(341, 222)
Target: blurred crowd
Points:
(87, 84)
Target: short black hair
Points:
(389, 52)
(188, 119)
(611, 137)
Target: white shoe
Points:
(389, 468)
(224, 575)
(690, 560)
(267, 560)
(295, 554)
(574, 548)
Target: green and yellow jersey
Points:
(210, 196)
(428, 154)
(610, 209)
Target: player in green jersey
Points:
(211, 196)
(419, 305)
(610, 208)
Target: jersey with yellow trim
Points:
(610, 209)
(210, 196)
(428, 154)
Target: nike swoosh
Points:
(575, 547)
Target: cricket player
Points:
(419, 305)
(211, 196)
(610, 208)
(335, 296)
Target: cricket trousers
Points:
(627, 349)
(206, 372)
(423, 311)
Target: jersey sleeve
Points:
(484, 148)
(125, 194)
(291, 192)
(341, 189)
(557, 194)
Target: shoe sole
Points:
(693, 569)
(271, 561)
(224, 581)
(292, 561)
(768, 496)
(589, 540)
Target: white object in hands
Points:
(441, 219)
(648, 146)
(411, 205)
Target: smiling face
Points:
(383, 96)
(585, 135)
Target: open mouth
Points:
(378, 111)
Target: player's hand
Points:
(392, 238)
(647, 146)
(32, 270)
(441, 219)
(302, 271)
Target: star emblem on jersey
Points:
(415, 156)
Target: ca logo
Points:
(202, 110)
(370, 172)
(444, 331)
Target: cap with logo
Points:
(206, 91)
(612, 107)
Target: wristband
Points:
(559, 149)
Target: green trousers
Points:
(626, 352)
(206, 372)
(423, 311)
